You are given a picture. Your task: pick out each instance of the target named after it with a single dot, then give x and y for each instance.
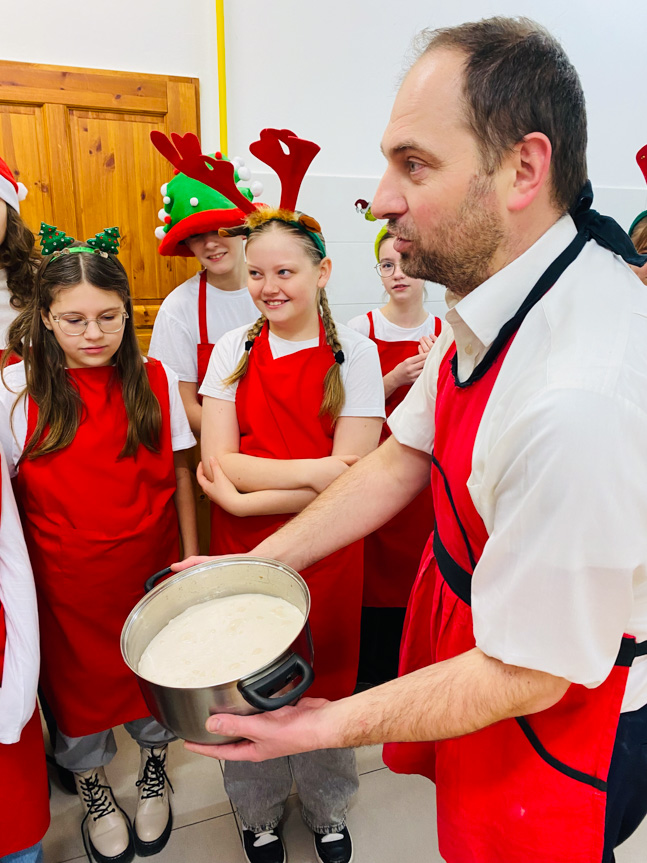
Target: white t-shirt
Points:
(13, 440)
(559, 467)
(360, 371)
(176, 331)
(7, 311)
(18, 597)
(389, 332)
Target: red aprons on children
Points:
(527, 790)
(204, 346)
(96, 526)
(392, 553)
(277, 403)
(24, 801)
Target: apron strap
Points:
(202, 309)
(371, 332)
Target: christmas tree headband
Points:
(280, 149)
(56, 243)
(641, 158)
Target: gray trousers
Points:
(96, 750)
(326, 781)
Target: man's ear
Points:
(530, 160)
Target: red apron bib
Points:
(24, 798)
(525, 790)
(204, 347)
(392, 553)
(96, 526)
(277, 402)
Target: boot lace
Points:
(98, 802)
(154, 776)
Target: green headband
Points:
(55, 242)
(384, 232)
(638, 218)
(314, 236)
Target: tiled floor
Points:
(392, 819)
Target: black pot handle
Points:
(257, 693)
(152, 581)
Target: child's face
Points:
(92, 348)
(283, 281)
(3, 221)
(398, 286)
(218, 255)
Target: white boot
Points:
(109, 830)
(154, 819)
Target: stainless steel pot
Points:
(184, 711)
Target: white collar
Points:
(488, 307)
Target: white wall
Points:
(329, 72)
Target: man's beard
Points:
(460, 252)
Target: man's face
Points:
(444, 209)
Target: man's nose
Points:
(388, 202)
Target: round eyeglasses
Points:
(385, 268)
(76, 325)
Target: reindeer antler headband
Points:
(280, 149)
(641, 158)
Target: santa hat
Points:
(191, 207)
(641, 158)
(11, 191)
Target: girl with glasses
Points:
(95, 437)
(404, 332)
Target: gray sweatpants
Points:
(326, 781)
(96, 750)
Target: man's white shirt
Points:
(559, 467)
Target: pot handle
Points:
(256, 693)
(152, 581)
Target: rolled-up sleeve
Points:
(564, 497)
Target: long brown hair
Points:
(60, 408)
(639, 236)
(334, 395)
(18, 258)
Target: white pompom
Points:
(162, 214)
(237, 162)
(194, 202)
(244, 173)
(166, 199)
(22, 191)
(160, 233)
(256, 188)
(163, 189)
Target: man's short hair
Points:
(518, 80)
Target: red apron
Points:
(204, 345)
(24, 799)
(394, 549)
(525, 790)
(277, 402)
(96, 526)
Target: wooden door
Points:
(79, 140)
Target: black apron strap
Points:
(629, 650)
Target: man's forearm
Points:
(449, 699)
(361, 500)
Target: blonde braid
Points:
(334, 395)
(241, 368)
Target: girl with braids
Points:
(288, 405)
(95, 437)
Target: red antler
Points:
(291, 166)
(186, 155)
(641, 158)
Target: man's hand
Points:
(267, 735)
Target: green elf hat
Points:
(190, 206)
(641, 158)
